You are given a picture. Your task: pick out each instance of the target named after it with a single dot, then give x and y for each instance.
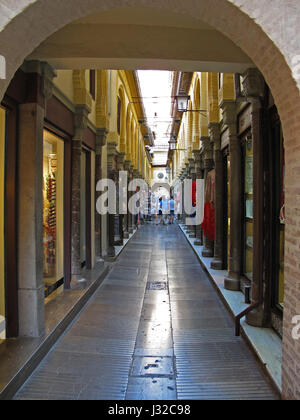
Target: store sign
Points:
(296, 329)
(2, 68)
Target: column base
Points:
(207, 253)
(198, 242)
(256, 318)
(233, 284)
(216, 264)
(111, 252)
(126, 235)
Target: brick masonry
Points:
(268, 31)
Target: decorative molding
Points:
(113, 137)
(81, 117)
(229, 110)
(101, 135)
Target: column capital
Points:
(229, 110)
(111, 154)
(214, 131)
(81, 117)
(120, 161)
(197, 155)
(253, 83)
(101, 135)
(45, 71)
(136, 174)
(127, 165)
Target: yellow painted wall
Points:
(64, 82)
(2, 268)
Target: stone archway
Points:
(269, 36)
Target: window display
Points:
(53, 170)
(248, 207)
(2, 260)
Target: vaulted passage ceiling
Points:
(142, 38)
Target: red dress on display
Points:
(208, 224)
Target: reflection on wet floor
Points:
(154, 330)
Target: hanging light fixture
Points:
(182, 100)
(173, 143)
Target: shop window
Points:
(2, 253)
(53, 212)
(248, 207)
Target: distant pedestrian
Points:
(172, 210)
(165, 209)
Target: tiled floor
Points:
(155, 329)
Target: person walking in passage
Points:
(172, 210)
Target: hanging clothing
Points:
(208, 224)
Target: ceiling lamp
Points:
(182, 100)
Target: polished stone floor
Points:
(155, 329)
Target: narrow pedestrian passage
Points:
(155, 329)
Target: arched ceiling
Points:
(144, 38)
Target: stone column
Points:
(232, 281)
(136, 175)
(254, 86)
(199, 175)
(30, 201)
(100, 142)
(187, 175)
(127, 216)
(80, 123)
(215, 135)
(180, 215)
(192, 171)
(130, 194)
(120, 167)
(112, 174)
(208, 250)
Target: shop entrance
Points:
(53, 212)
